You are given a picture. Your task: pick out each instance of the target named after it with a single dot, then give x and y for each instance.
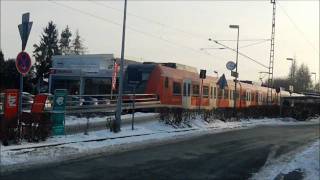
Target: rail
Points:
(93, 103)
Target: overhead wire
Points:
(298, 29)
(154, 36)
(151, 21)
(131, 28)
(242, 54)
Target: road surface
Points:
(229, 155)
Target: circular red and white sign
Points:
(23, 63)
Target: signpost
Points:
(23, 61)
(231, 65)
(222, 82)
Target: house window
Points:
(176, 88)
(195, 90)
(205, 91)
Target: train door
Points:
(186, 95)
(212, 100)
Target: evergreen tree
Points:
(65, 40)
(43, 52)
(77, 45)
(11, 76)
(1, 70)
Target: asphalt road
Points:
(229, 155)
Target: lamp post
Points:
(315, 80)
(235, 79)
(292, 73)
(292, 61)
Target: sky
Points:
(178, 31)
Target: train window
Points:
(220, 92)
(195, 90)
(144, 76)
(184, 89)
(133, 75)
(243, 96)
(215, 92)
(226, 94)
(205, 91)
(166, 82)
(176, 88)
(189, 88)
(211, 92)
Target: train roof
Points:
(182, 74)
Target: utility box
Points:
(58, 111)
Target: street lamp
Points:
(315, 80)
(235, 80)
(292, 73)
(292, 61)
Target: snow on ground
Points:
(307, 161)
(59, 148)
(73, 120)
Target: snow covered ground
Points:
(305, 162)
(73, 120)
(60, 148)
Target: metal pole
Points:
(20, 106)
(201, 93)
(133, 107)
(119, 101)
(236, 79)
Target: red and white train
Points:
(181, 88)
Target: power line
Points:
(243, 40)
(244, 55)
(252, 44)
(128, 27)
(298, 29)
(248, 45)
(152, 21)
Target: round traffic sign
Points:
(231, 65)
(23, 63)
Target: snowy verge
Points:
(73, 120)
(62, 148)
(305, 162)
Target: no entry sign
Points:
(23, 63)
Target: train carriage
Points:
(184, 89)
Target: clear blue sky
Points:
(176, 31)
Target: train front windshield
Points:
(136, 78)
